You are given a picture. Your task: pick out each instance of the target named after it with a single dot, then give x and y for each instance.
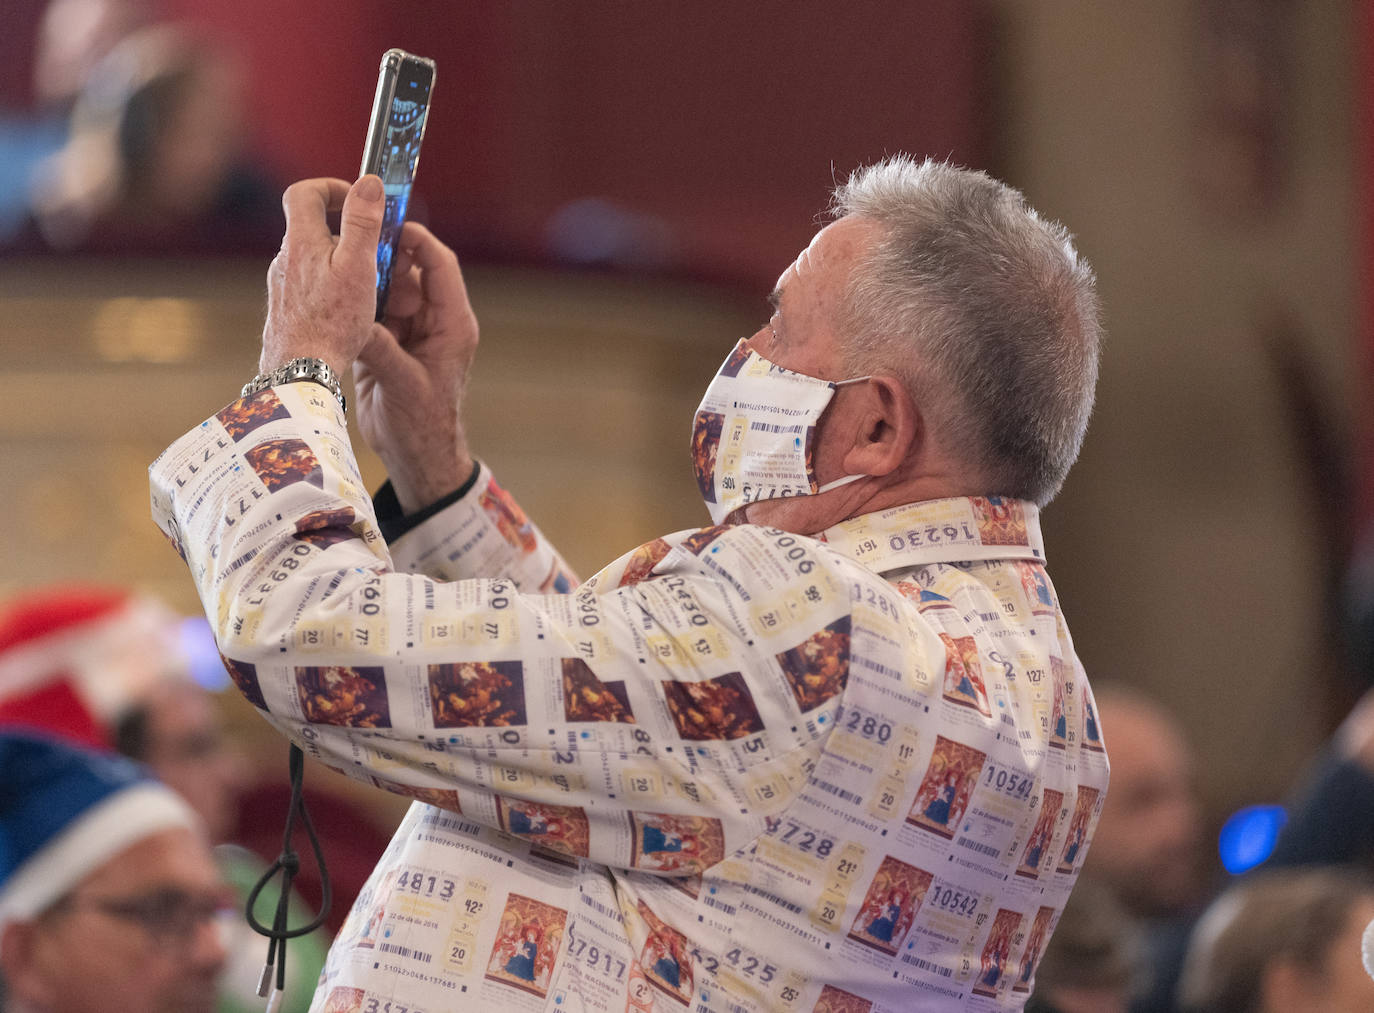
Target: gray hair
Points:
(984, 310)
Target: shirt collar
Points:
(941, 531)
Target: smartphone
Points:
(399, 112)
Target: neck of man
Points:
(810, 515)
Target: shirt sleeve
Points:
(395, 522)
(483, 533)
(651, 718)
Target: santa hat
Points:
(75, 659)
(64, 812)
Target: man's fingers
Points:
(443, 278)
(383, 358)
(307, 203)
(405, 298)
(360, 224)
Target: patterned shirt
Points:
(738, 769)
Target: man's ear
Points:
(888, 426)
(20, 965)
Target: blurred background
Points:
(625, 180)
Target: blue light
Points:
(199, 644)
(1247, 839)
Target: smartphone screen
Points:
(399, 113)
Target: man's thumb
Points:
(360, 223)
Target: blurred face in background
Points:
(1339, 985)
(197, 140)
(1147, 845)
(183, 741)
(141, 932)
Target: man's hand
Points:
(410, 376)
(321, 288)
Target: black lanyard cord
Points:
(288, 864)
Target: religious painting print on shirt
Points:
(964, 674)
(280, 463)
(666, 958)
(440, 798)
(672, 842)
(344, 1000)
(699, 539)
(705, 446)
(837, 1000)
(348, 697)
(1078, 827)
(639, 994)
(719, 708)
(737, 358)
(245, 678)
(515, 527)
(376, 910)
(1092, 731)
(642, 562)
(1035, 585)
(946, 788)
(241, 417)
(324, 528)
(690, 885)
(890, 905)
(817, 668)
(1001, 521)
(562, 828)
(1030, 957)
(1037, 848)
(527, 944)
(1059, 718)
(558, 581)
(587, 698)
(993, 961)
(477, 694)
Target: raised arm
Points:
(656, 703)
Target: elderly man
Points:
(834, 752)
(108, 893)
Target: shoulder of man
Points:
(743, 554)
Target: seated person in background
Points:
(109, 897)
(155, 156)
(1332, 818)
(1148, 846)
(1281, 941)
(1088, 963)
(103, 667)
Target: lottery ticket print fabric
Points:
(737, 769)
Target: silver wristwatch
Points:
(316, 370)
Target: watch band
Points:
(315, 370)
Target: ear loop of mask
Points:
(843, 479)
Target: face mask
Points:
(753, 435)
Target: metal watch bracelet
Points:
(315, 370)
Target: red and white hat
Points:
(75, 658)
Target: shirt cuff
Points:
(394, 522)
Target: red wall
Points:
(725, 121)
